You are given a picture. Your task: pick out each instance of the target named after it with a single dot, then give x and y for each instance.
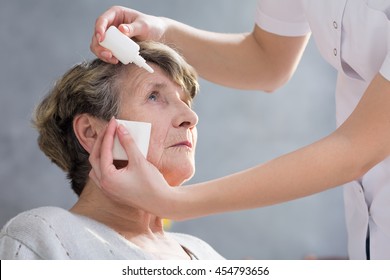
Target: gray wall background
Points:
(41, 39)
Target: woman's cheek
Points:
(194, 137)
(155, 152)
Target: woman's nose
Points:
(186, 117)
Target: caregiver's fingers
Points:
(134, 29)
(101, 52)
(107, 143)
(116, 16)
(133, 153)
(95, 155)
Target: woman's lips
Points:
(183, 143)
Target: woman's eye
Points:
(153, 96)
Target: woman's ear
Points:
(86, 129)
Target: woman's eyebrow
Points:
(185, 96)
(147, 87)
(157, 85)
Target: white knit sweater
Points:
(55, 233)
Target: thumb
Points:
(131, 29)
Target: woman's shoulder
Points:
(35, 229)
(35, 218)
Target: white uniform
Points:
(354, 37)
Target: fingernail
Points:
(106, 55)
(98, 37)
(122, 129)
(111, 120)
(125, 28)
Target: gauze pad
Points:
(140, 131)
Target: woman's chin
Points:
(176, 182)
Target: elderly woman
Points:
(71, 121)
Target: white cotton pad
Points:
(140, 131)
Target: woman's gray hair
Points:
(94, 88)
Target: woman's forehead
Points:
(139, 80)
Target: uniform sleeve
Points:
(12, 249)
(385, 68)
(286, 18)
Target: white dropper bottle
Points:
(123, 48)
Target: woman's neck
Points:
(137, 226)
(126, 220)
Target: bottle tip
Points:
(148, 68)
(141, 62)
